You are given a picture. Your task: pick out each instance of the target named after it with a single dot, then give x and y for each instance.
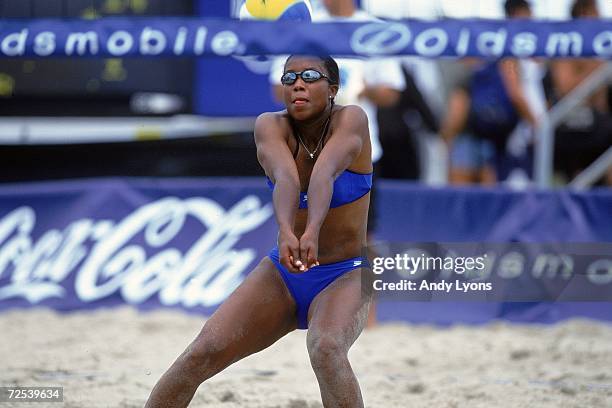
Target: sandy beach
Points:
(113, 357)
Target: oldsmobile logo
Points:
(380, 38)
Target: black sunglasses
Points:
(308, 75)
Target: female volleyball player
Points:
(317, 157)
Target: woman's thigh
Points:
(341, 309)
(253, 317)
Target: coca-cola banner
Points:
(184, 243)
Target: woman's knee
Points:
(203, 358)
(326, 350)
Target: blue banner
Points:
(188, 243)
(179, 37)
(409, 212)
(82, 244)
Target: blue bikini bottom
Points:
(305, 286)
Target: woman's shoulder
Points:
(351, 115)
(350, 112)
(277, 116)
(277, 120)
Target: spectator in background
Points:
(587, 132)
(471, 158)
(408, 130)
(483, 112)
(400, 129)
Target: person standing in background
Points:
(587, 131)
(483, 112)
(404, 127)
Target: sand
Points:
(113, 357)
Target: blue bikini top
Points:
(348, 187)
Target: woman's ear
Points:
(333, 91)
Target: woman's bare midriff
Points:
(343, 233)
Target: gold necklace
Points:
(312, 154)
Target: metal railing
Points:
(545, 132)
(592, 173)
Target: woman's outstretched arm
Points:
(339, 153)
(276, 160)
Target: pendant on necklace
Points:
(311, 155)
